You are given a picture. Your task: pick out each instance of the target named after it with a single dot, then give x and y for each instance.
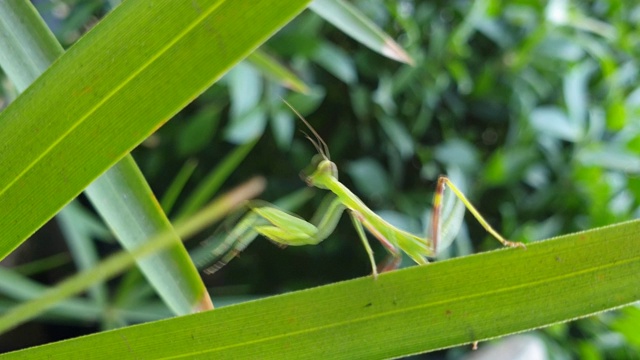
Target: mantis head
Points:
(323, 169)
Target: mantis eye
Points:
(328, 167)
(316, 160)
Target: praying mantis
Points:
(286, 229)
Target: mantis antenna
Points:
(318, 143)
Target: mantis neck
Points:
(349, 199)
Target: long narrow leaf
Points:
(271, 67)
(177, 185)
(172, 274)
(81, 246)
(133, 71)
(123, 197)
(404, 312)
(28, 47)
(350, 20)
(23, 289)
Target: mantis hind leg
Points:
(392, 262)
(443, 182)
(280, 227)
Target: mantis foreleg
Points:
(280, 227)
(363, 237)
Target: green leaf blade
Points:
(25, 57)
(272, 68)
(350, 20)
(125, 84)
(404, 312)
(121, 195)
(124, 199)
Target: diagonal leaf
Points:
(404, 312)
(350, 20)
(133, 220)
(124, 199)
(81, 246)
(177, 185)
(272, 68)
(214, 179)
(18, 287)
(28, 47)
(133, 71)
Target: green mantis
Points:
(287, 229)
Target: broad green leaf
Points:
(403, 312)
(398, 135)
(369, 177)
(350, 20)
(554, 122)
(121, 195)
(610, 158)
(576, 93)
(282, 125)
(628, 325)
(114, 87)
(248, 119)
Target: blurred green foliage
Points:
(534, 106)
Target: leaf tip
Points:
(392, 50)
(301, 87)
(204, 304)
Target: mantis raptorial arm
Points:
(284, 229)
